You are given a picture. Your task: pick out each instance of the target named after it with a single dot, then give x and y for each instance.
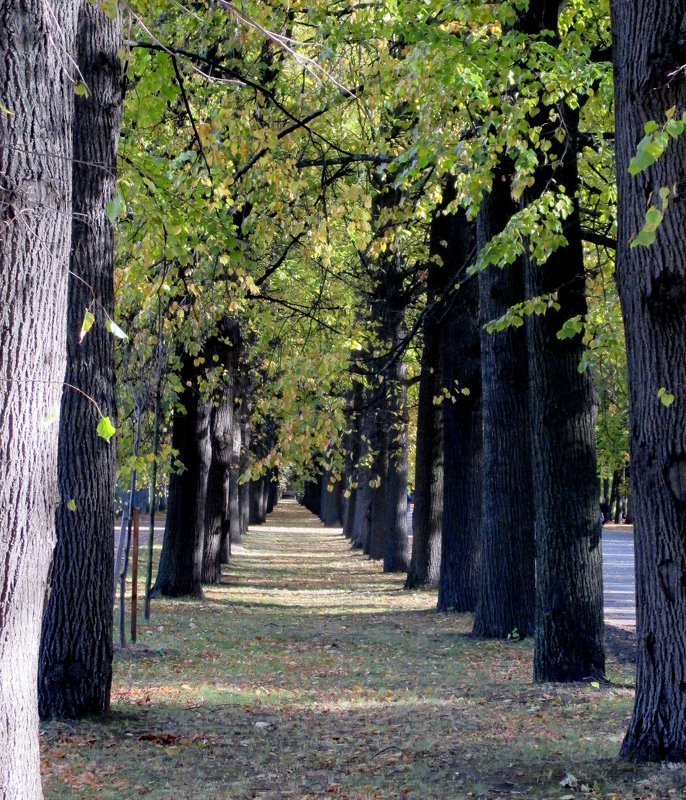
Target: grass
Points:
(310, 674)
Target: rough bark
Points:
(396, 555)
(360, 530)
(180, 569)
(217, 499)
(235, 526)
(75, 663)
(649, 79)
(563, 410)
(35, 203)
(222, 350)
(331, 501)
(506, 585)
(462, 426)
(352, 458)
(569, 578)
(425, 564)
(377, 534)
(244, 493)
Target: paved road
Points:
(618, 576)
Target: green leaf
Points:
(115, 330)
(114, 208)
(665, 397)
(81, 89)
(71, 505)
(105, 429)
(6, 110)
(87, 324)
(571, 328)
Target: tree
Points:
(180, 569)
(563, 407)
(506, 593)
(650, 88)
(462, 426)
(36, 44)
(75, 668)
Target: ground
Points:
(311, 674)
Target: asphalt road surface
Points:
(618, 576)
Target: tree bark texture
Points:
(396, 557)
(366, 432)
(563, 406)
(331, 501)
(352, 457)
(75, 663)
(235, 526)
(217, 499)
(35, 218)
(563, 409)
(462, 425)
(222, 350)
(244, 492)
(649, 79)
(180, 569)
(377, 533)
(425, 564)
(506, 587)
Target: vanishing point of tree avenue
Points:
(420, 264)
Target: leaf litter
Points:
(308, 673)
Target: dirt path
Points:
(310, 674)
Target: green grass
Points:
(309, 673)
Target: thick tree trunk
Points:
(424, 569)
(331, 501)
(244, 492)
(652, 286)
(506, 589)
(217, 500)
(352, 458)
(361, 524)
(562, 402)
(462, 425)
(377, 534)
(235, 526)
(396, 555)
(75, 664)
(35, 203)
(180, 569)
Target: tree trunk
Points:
(352, 457)
(563, 406)
(506, 588)
(75, 663)
(235, 488)
(652, 286)
(462, 425)
(360, 530)
(377, 535)
(244, 492)
(180, 569)
(331, 501)
(396, 555)
(217, 500)
(425, 564)
(35, 203)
